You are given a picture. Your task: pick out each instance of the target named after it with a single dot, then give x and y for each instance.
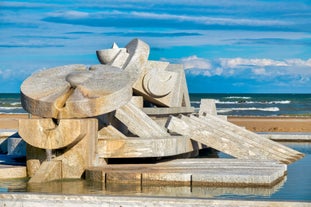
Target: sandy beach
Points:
(256, 124)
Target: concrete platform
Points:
(193, 172)
(12, 167)
(287, 136)
(38, 200)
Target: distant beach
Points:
(257, 112)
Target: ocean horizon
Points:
(230, 104)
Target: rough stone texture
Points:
(267, 144)
(73, 160)
(192, 172)
(286, 136)
(48, 170)
(145, 147)
(226, 141)
(110, 132)
(38, 200)
(157, 111)
(163, 84)
(207, 106)
(138, 101)
(73, 91)
(11, 172)
(45, 134)
(132, 58)
(138, 122)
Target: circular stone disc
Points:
(74, 91)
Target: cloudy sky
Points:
(225, 46)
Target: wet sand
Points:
(256, 124)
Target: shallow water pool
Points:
(296, 186)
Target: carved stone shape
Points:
(73, 91)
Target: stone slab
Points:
(254, 146)
(138, 122)
(287, 136)
(231, 139)
(11, 171)
(194, 172)
(269, 144)
(145, 147)
(160, 111)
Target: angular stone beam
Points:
(206, 137)
(138, 122)
(110, 132)
(266, 143)
(253, 146)
(74, 91)
(45, 134)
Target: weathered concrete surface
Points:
(163, 84)
(221, 135)
(74, 91)
(12, 171)
(138, 122)
(248, 135)
(156, 111)
(145, 147)
(69, 162)
(46, 134)
(131, 59)
(287, 136)
(207, 106)
(193, 172)
(38, 200)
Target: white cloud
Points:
(207, 20)
(243, 62)
(70, 14)
(196, 62)
(250, 68)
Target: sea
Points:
(252, 104)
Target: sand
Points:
(256, 124)
(273, 124)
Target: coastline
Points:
(253, 123)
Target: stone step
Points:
(192, 172)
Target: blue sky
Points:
(226, 46)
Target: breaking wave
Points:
(238, 97)
(226, 110)
(253, 102)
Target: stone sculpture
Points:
(120, 108)
(72, 101)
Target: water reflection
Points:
(87, 187)
(296, 186)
